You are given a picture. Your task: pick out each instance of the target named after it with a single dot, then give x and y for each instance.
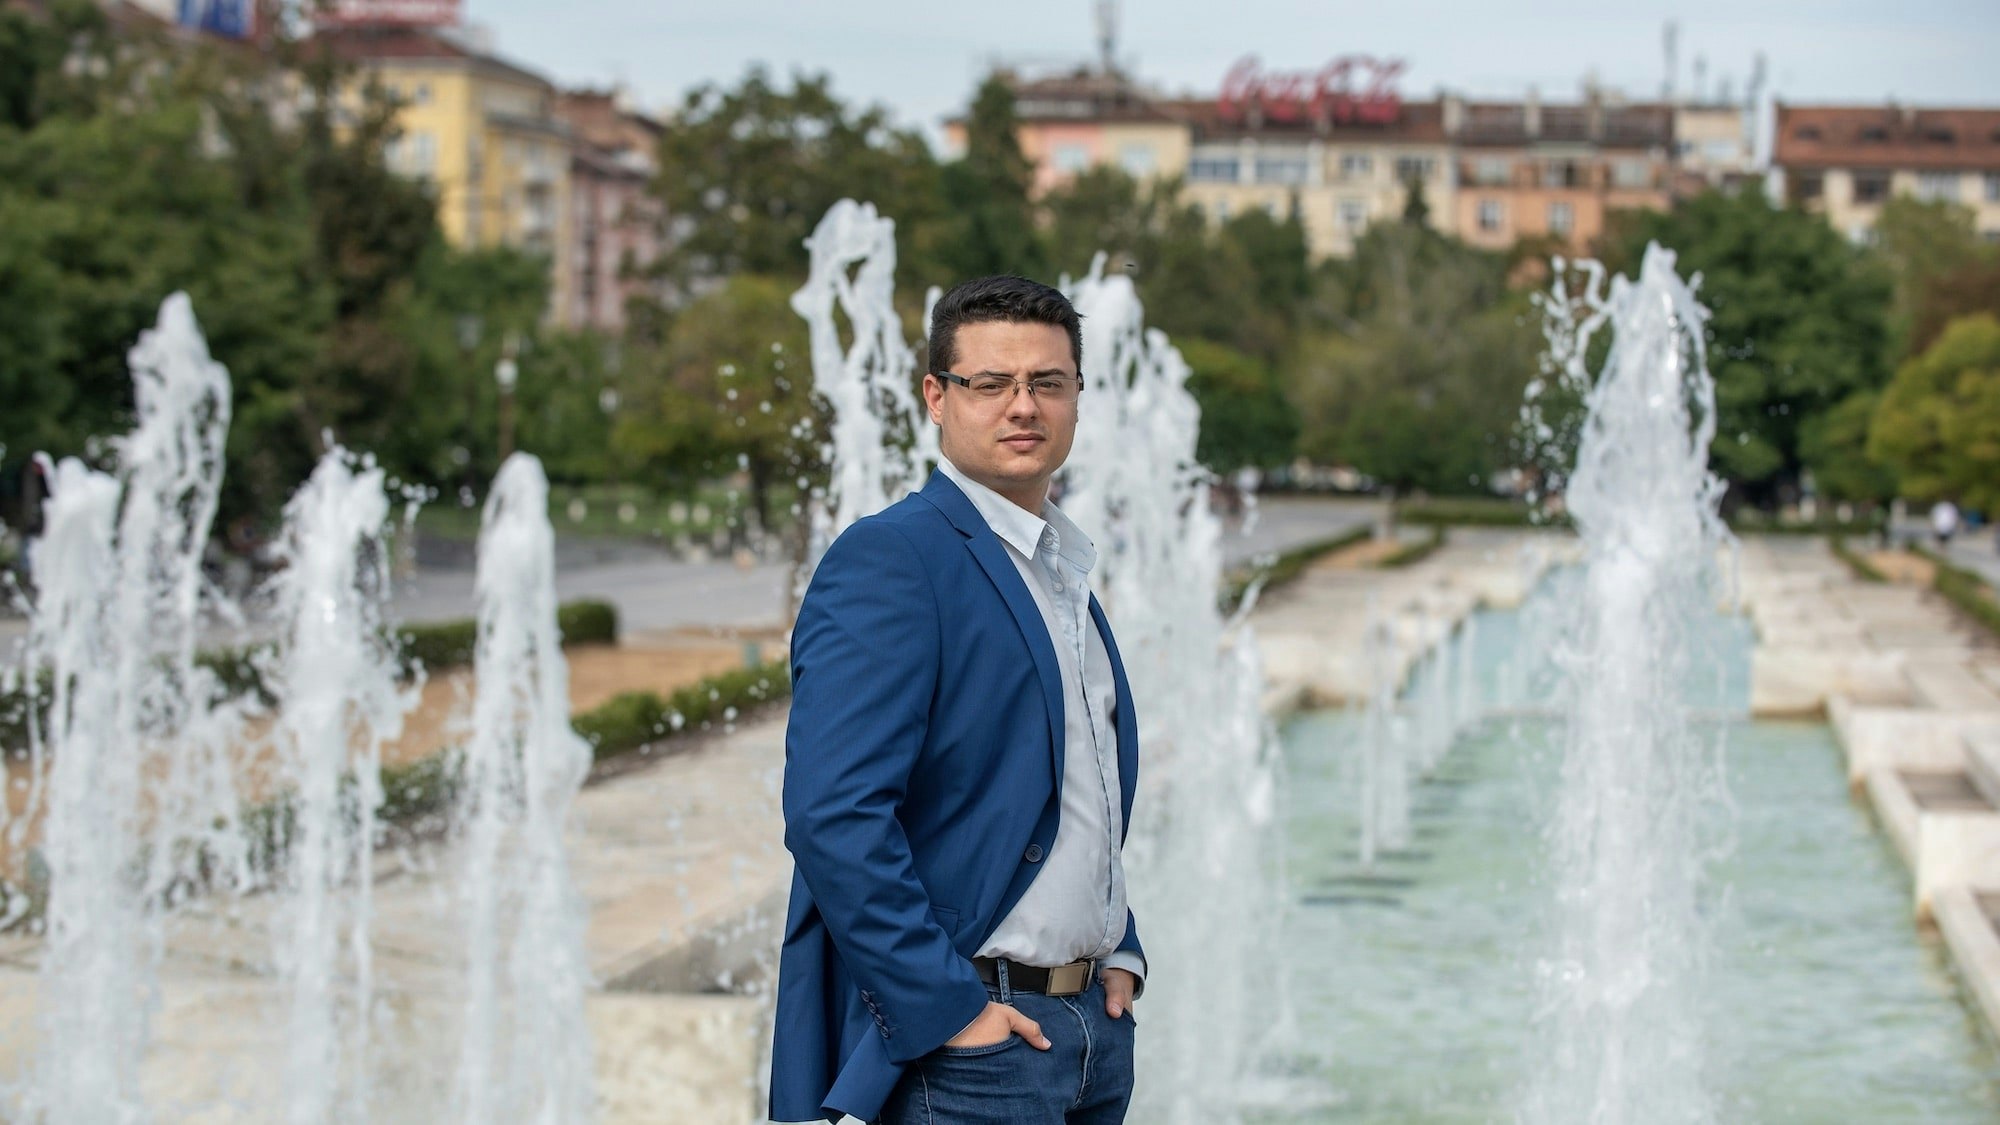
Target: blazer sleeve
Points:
(866, 653)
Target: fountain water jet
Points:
(1618, 997)
(141, 798)
(336, 675)
(526, 1052)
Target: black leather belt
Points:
(1063, 980)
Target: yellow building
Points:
(484, 133)
(1845, 162)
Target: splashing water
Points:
(1200, 855)
(1618, 1015)
(337, 677)
(141, 801)
(880, 446)
(1385, 767)
(526, 1052)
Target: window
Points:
(1356, 165)
(1409, 168)
(1874, 133)
(1070, 158)
(412, 154)
(1282, 170)
(1215, 170)
(1937, 187)
(1492, 214)
(420, 94)
(1808, 185)
(1991, 237)
(1871, 187)
(1138, 161)
(1561, 173)
(1353, 214)
(1807, 133)
(1632, 174)
(1222, 210)
(1993, 187)
(1492, 170)
(1562, 219)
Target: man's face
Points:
(1013, 445)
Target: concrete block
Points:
(1969, 920)
(1948, 685)
(1947, 833)
(1793, 682)
(1899, 737)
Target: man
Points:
(959, 772)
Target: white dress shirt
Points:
(1075, 908)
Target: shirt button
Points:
(1033, 854)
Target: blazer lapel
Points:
(993, 558)
(1128, 719)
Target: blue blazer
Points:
(921, 793)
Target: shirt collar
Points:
(1020, 528)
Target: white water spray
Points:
(1199, 855)
(1621, 1034)
(526, 1052)
(141, 798)
(336, 677)
(880, 447)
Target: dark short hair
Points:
(1011, 300)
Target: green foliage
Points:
(747, 173)
(636, 719)
(1475, 512)
(1417, 377)
(1919, 244)
(730, 388)
(1245, 417)
(1410, 554)
(1286, 567)
(1861, 567)
(1938, 423)
(991, 228)
(1963, 589)
(1970, 289)
(1798, 322)
(1834, 445)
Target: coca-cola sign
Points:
(391, 13)
(1350, 89)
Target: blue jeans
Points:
(1084, 1078)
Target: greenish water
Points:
(1823, 1002)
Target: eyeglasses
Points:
(993, 388)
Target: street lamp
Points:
(506, 373)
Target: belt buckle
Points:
(1070, 979)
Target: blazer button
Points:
(1033, 854)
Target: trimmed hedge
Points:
(1469, 512)
(1862, 568)
(433, 647)
(1286, 566)
(1410, 554)
(1964, 589)
(634, 719)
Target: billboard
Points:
(1349, 90)
(388, 13)
(236, 19)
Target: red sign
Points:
(388, 13)
(1353, 88)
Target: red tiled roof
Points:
(1886, 136)
(388, 44)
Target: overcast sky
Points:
(923, 58)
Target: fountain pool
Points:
(1819, 1003)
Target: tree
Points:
(1973, 287)
(1938, 423)
(1798, 323)
(990, 227)
(1417, 377)
(1920, 243)
(1245, 418)
(748, 172)
(1834, 445)
(731, 389)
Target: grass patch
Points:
(1410, 554)
(1964, 589)
(1859, 564)
(1285, 567)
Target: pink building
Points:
(617, 219)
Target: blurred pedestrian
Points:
(1944, 522)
